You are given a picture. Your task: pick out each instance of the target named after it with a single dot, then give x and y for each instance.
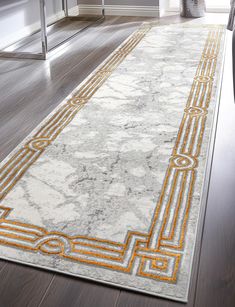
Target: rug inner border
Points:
(155, 251)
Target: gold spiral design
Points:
(38, 144)
(77, 101)
(195, 111)
(203, 79)
(183, 162)
(54, 245)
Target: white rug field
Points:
(109, 187)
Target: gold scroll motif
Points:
(156, 254)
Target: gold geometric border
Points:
(156, 254)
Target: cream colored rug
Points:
(109, 186)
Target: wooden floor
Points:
(30, 90)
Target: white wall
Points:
(210, 4)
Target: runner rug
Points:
(109, 186)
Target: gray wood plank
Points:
(67, 291)
(2, 264)
(22, 286)
(131, 299)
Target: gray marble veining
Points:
(103, 175)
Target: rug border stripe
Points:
(56, 241)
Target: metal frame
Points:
(44, 34)
(231, 27)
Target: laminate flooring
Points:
(30, 90)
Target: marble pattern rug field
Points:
(109, 186)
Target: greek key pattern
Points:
(158, 253)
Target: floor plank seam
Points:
(117, 299)
(3, 267)
(47, 290)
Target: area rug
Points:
(109, 186)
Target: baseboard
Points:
(217, 10)
(208, 10)
(27, 30)
(120, 10)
